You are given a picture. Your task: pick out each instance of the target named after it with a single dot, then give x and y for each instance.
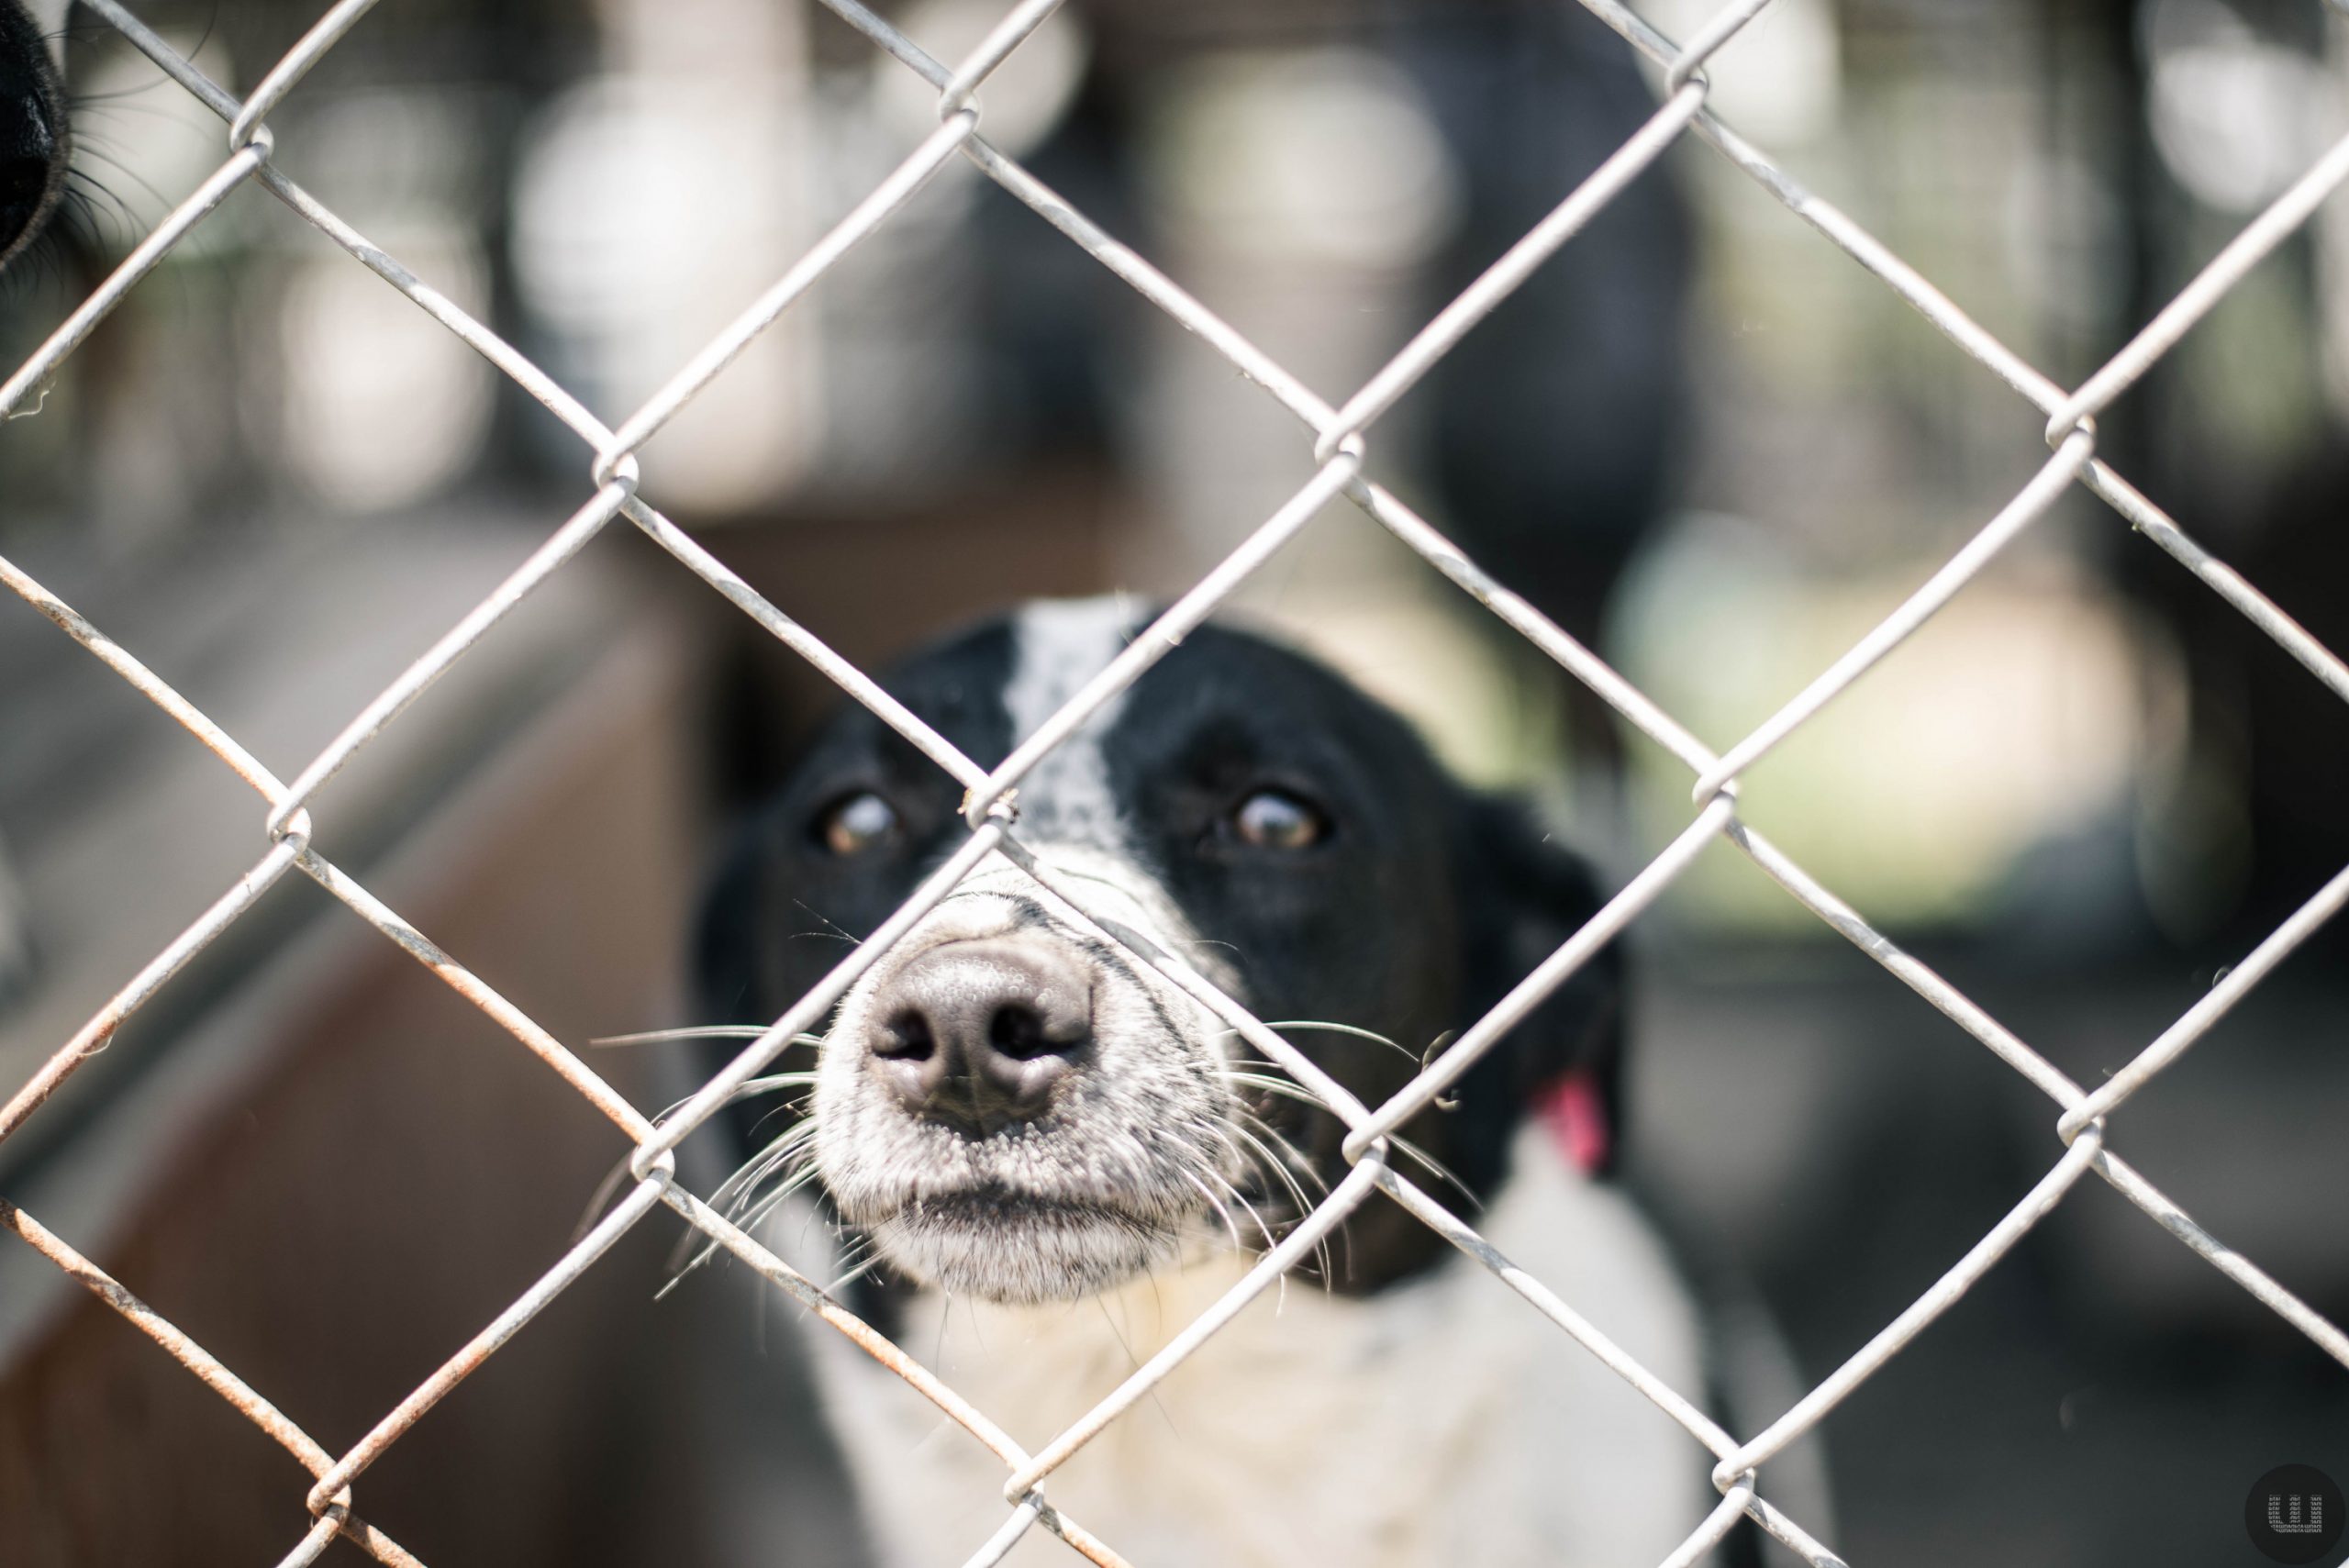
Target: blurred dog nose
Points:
(974, 1034)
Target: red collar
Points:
(1577, 1116)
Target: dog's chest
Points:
(1437, 1422)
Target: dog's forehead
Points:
(992, 689)
(1056, 647)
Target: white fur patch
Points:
(1058, 645)
(1439, 1422)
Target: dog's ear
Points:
(1522, 894)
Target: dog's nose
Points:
(976, 1034)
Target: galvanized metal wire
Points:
(1336, 439)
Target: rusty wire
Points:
(1336, 438)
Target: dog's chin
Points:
(1018, 1248)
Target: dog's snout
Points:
(976, 1034)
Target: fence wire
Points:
(1337, 437)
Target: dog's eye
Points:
(855, 823)
(1275, 820)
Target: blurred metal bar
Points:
(1880, 261)
(1706, 41)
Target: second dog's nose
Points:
(974, 1034)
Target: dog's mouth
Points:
(997, 1242)
(1123, 1181)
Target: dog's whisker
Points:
(1253, 1217)
(1324, 1026)
(602, 1195)
(679, 1273)
(1243, 1162)
(740, 1191)
(745, 1220)
(1230, 1225)
(834, 929)
(1427, 1161)
(858, 1249)
(1283, 1169)
(755, 1169)
(742, 1211)
(1281, 1087)
(619, 1172)
(870, 1263)
(1279, 1168)
(798, 1106)
(772, 1080)
(1293, 1158)
(753, 1211)
(733, 1196)
(697, 1031)
(684, 1258)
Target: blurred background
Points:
(1702, 438)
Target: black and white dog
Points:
(1050, 1160)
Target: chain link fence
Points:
(1338, 436)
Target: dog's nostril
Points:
(1017, 1031)
(905, 1037)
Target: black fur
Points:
(34, 138)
